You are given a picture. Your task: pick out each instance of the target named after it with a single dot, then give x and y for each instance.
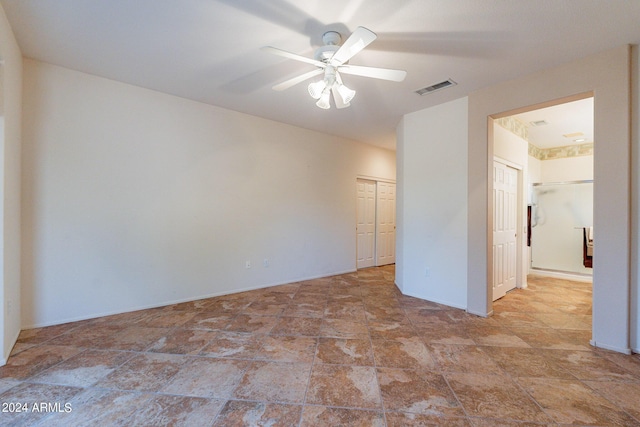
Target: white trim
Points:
(373, 178)
(15, 340)
(217, 294)
(508, 163)
(606, 347)
(561, 275)
(485, 315)
(542, 184)
(448, 304)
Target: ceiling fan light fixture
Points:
(324, 101)
(345, 93)
(331, 58)
(317, 89)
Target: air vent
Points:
(539, 123)
(435, 87)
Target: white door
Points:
(505, 192)
(365, 223)
(386, 224)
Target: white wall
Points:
(432, 211)
(134, 198)
(10, 98)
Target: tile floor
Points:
(346, 350)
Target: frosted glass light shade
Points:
(346, 94)
(316, 89)
(324, 101)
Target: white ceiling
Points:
(208, 50)
(570, 119)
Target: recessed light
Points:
(580, 140)
(573, 135)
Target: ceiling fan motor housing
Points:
(331, 37)
(331, 40)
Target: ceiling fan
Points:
(331, 60)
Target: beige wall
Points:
(509, 146)
(10, 137)
(606, 75)
(635, 199)
(134, 198)
(432, 208)
(567, 169)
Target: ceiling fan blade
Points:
(376, 73)
(294, 81)
(289, 55)
(357, 41)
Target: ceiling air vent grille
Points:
(539, 123)
(435, 87)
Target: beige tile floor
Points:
(346, 350)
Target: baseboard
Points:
(447, 303)
(489, 314)
(3, 361)
(178, 301)
(562, 275)
(609, 347)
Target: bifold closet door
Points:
(365, 223)
(386, 224)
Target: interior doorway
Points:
(560, 190)
(614, 303)
(554, 145)
(375, 223)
